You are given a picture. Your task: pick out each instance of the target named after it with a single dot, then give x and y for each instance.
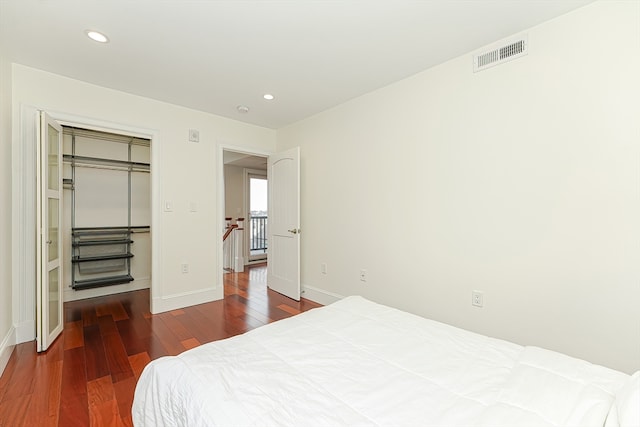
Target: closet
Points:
(106, 224)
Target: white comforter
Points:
(357, 363)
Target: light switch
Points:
(168, 206)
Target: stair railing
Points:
(232, 245)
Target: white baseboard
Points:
(136, 285)
(186, 299)
(6, 347)
(320, 295)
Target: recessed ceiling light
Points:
(268, 96)
(243, 109)
(96, 36)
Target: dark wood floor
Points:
(88, 376)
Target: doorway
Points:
(25, 234)
(244, 203)
(283, 175)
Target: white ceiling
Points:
(213, 55)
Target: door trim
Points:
(220, 202)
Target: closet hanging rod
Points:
(70, 158)
(105, 136)
(123, 227)
(111, 168)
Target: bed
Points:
(358, 363)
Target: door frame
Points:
(222, 147)
(24, 209)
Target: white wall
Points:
(182, 172)
(7, 334)
(233, 191)
(101, 200)
(520, 181)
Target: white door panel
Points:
(49, 243)
(284, 223)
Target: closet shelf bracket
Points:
(103, 281)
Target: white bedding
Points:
(357, 363)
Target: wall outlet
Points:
(363, 275)
(184, 268)
(477, 299)
(323, 268)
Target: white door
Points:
(283, 266)
(49, 267)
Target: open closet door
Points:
(49, 210)
(283, 266)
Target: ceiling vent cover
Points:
(500, 53)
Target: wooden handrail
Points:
(228, 232)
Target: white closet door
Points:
(49, 245)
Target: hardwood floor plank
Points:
(117, 358)
(135, 334)
(22, 379)
(89, 317)
(169, 341)
(72, 313)
(123, 392)
(175, 326)
(202, 329)
(103, 406)
(107, 325)
(95, 355)
(74, 409)
(8, 370)
(136, 304)
(153, 346)
(276, 314)
(88, 375)
(38, 411)
(289, 309)
(13, 412)
(138, 362)
(54, 392)
(100, 391)
(73, 335)
(104, 415)
(117, 311)
(127, 421)
(237, 307)
(102, 309)
(190, 343)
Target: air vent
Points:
(500, 53)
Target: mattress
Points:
(358, 363)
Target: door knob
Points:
(294, 231)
